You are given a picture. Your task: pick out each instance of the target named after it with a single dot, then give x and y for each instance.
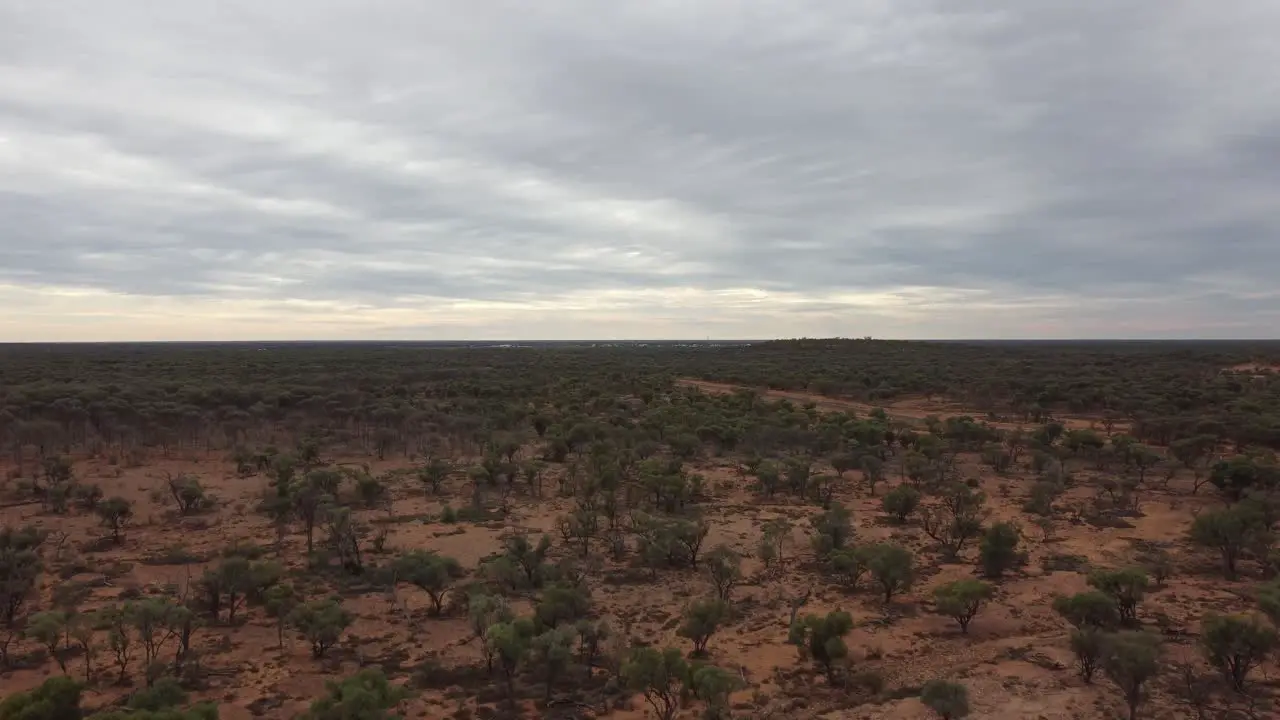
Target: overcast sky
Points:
(656, 169)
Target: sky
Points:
(579, 169)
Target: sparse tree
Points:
(432, 573)
(115, 513)
(961, 600)
(1159, 565)
(188, 493)
(821, 637)
(234, 581)
(1191, 451)
(995, 456)
(343, 530)
(1236, 476)
(483, 612)
(849, 564)
(1130, 660)
(562, 603)
(843, 463)
(531, 559)
(84, 632)
(1235, 645)
(509, 643)
(593, 637)
(823, 488)
(690, 534)
(20, 566)
(713, 685)
(371, 490)
(798, 471)
(321, 622)
(1144, 459)
(1043, 494)
(49, 628)
(872, 471)
(1046, 526)
(833, 529)
(87, 496)
(701, 620)
(892, 567)
(156, 621)
(533, 473)
(579, 528)
(900, 502)
(1125, 586)
(949, 529)
(774, 541)
(1230, 531)
(768, 479)
(1088, 609)
(280, 601)
(998, 551)
(660, 675)
(116, 620)
(310, 497)
(1088, 643)
(724, 567)
(552, 651)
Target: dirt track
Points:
(909, 410)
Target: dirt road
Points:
(908, 410)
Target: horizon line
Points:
(605, 341)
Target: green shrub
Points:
(948, 699)
(961, 600)
(900, 502)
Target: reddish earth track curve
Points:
(910, 410)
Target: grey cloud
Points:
(1037, 159)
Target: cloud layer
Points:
(579, 169)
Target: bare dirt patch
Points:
(1014, 660)
(907, 410)
(1254, 369)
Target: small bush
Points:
(1088, 609)
(1125, 586)
(900, 502)
(948, 699)
(322, 622)
(701, 620)
(364, 696)
(821, 637)
(1088, 644)
(1063, 562)
(1043, 495)
(892, 567)
(999, 549)
(961, 600)
(1131, 659)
